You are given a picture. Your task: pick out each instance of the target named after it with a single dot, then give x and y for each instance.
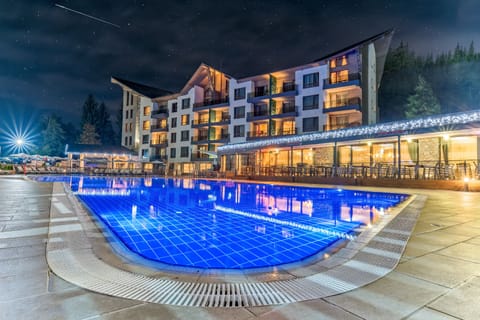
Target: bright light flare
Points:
(18, 136)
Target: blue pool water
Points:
(225, 224)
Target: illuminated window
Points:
(146, 125)
(333, 63)
(185, 119)
(340, 76)
(344, 61)
(146, 111)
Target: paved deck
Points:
(438, 276)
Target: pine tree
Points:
(53, 137)
(89, 111)
(89, 135)
(423, 102)
(104, 125)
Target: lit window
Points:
(146, 125)
(344, 60)
(333, 63)
(146, 111)
(185, 119)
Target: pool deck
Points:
(438, 276)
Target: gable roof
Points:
(199, 73)
(142, 89)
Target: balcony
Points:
(158, 128)
(159, 143)
(342, 105)
(252, 135)
(221, 138)
(161, 112)
(351, 79)
(260, 93)
(329, 127)
(199, 123)
(287, 110)
(211, 104)
(200, 157)
(199, 139)
(257, 115)
(162, 158)
(220, 121)
(285, 132)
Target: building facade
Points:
(185, 130)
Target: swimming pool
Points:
(226, 224)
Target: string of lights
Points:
(371, 130)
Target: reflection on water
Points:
(224, 224)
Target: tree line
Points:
(414, 85)
(96, 127)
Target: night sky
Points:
(52, 58)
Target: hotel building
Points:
(185, 130)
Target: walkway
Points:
(439, 273)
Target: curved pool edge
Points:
(375, 253)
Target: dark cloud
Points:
(51, 59)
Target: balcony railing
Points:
(199, 122)
(163, 158)
(286, 110)
(340, 80)
(265, 91)
(285, 132)
(159, 143)
(221, 138)
(161, 112)
(329, 127)
(257, 114)
(199, 139)
(200, 157)
(221, 120)
(257, 134)
(342, 103)
(159, 128)
(209, 103)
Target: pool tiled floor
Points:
(418, 290)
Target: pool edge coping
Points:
(71, 257)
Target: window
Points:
(173, 153)
(186, 103)
(126, 114)
(131, 100)
(185, 119)
(174, 107)
(310, 80)
(146, 125)
(145, 139)
(131, 113)
(239, 112)
(146, 111)
(239, 131)
(310, 102)
(126, 141)
(185, 135)
(174, 122)
(183, 152)
(333, 63)
(130, 140)
(173, 137)
(144, 153)
(310, 124)
(239, 94)
(341, 76)
(126, 127)
(131, 127)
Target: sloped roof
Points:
(96, 148)
(144, 90)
